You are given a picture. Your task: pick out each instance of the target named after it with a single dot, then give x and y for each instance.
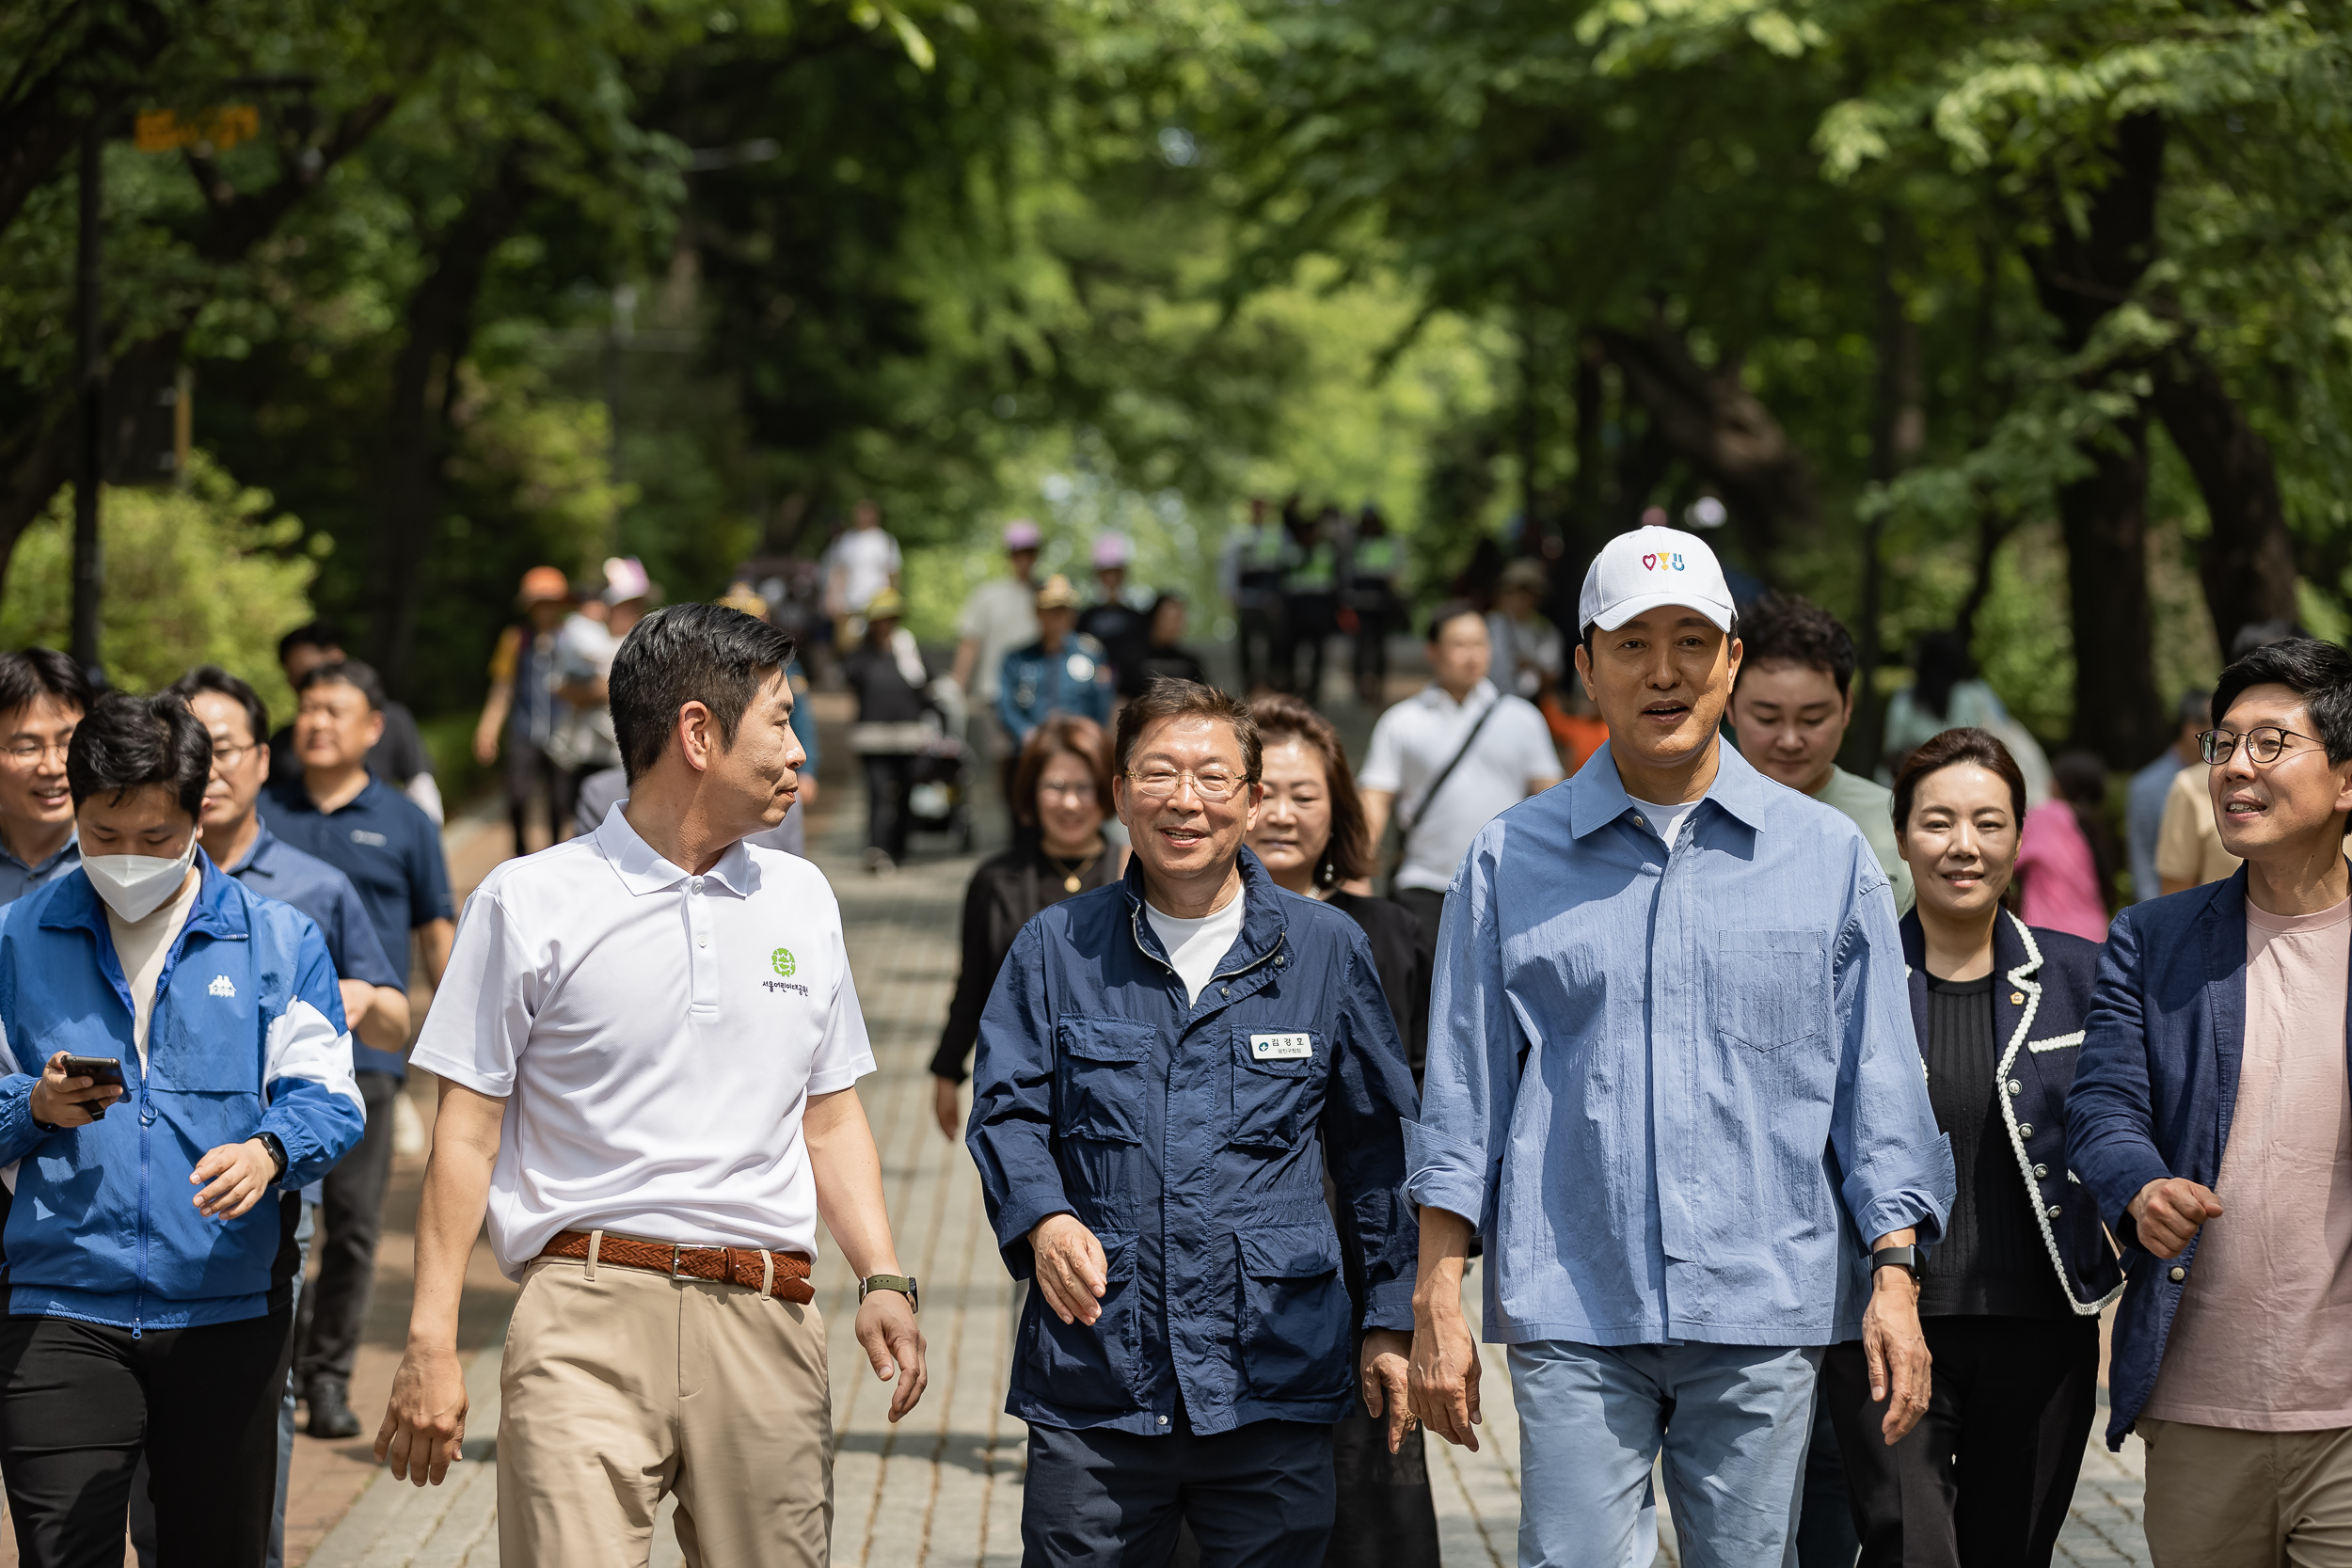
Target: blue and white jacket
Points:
(246, 1036)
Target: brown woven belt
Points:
(786, 1273)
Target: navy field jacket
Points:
(2154, 1095)
(2040, 995)
(1192, 1139)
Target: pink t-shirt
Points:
(2061, 879)
(2263, 1341)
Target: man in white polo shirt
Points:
(1457, 753)
(646, 1041)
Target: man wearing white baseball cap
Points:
(1728, 1160)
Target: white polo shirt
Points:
(1417, 738)
(656, 1036)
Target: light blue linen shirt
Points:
(1721, 1101)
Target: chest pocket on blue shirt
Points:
(1770, 989)
(1100, 1077)
(1275, 1083)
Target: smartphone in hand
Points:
(101, 1070)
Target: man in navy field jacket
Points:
(1165, 1069)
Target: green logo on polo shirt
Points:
(781, 960)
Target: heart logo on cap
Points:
(1649, 562)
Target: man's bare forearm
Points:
(1378, 804)
(449, 1215)
(386, 1025)
(848, 1169)
(1444, 1248)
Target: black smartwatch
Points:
(277, 1150)
(1904, 1258)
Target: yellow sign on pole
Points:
(208, 131)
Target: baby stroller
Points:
(939, 797)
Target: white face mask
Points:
(135, 886)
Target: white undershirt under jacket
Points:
(141, 946)
(1195, 946)
(1666, 820)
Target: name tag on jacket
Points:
(1280, 1048)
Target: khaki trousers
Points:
(620, 1389)
(2218, 1497)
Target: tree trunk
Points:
(1709, 416)
(2248, 561)
(416, 426)
(1898, 432)
(2081, 275)
(2116, 711)
(1587, 528)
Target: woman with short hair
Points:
(1311, 835)
(1062, 792)
(2009, 1299)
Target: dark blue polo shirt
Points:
(276, 869)
(391, 851)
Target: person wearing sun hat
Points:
(1064, 670)
(523, 706)
(1729, 1161)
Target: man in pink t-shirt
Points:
(2211, 1118)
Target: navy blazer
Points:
(2040, 999)
(2154, 1093)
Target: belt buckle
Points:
(677, 1249)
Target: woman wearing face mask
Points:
(143, 1314)
(1062, 790)
(1310, 834)
(2010, 1299)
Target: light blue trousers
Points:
(1732, 1420)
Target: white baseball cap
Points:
(1637, 572)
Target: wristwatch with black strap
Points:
(902, 1283)
(276, 1150)
(1904, 1258)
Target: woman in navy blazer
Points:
(2009, 1302)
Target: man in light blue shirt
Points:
(1673, 1083)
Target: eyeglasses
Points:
(1160, 783)
(229, 756)
(36, 750)
(2262, 743)
(1068, 791)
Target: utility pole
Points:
(91, 352)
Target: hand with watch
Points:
(1893, 1344)
(234, 1176)
(885, 1327)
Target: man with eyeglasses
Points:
(1166, 1069)
(44, 695)
(2211, 1121)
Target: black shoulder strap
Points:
(1405, 827)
